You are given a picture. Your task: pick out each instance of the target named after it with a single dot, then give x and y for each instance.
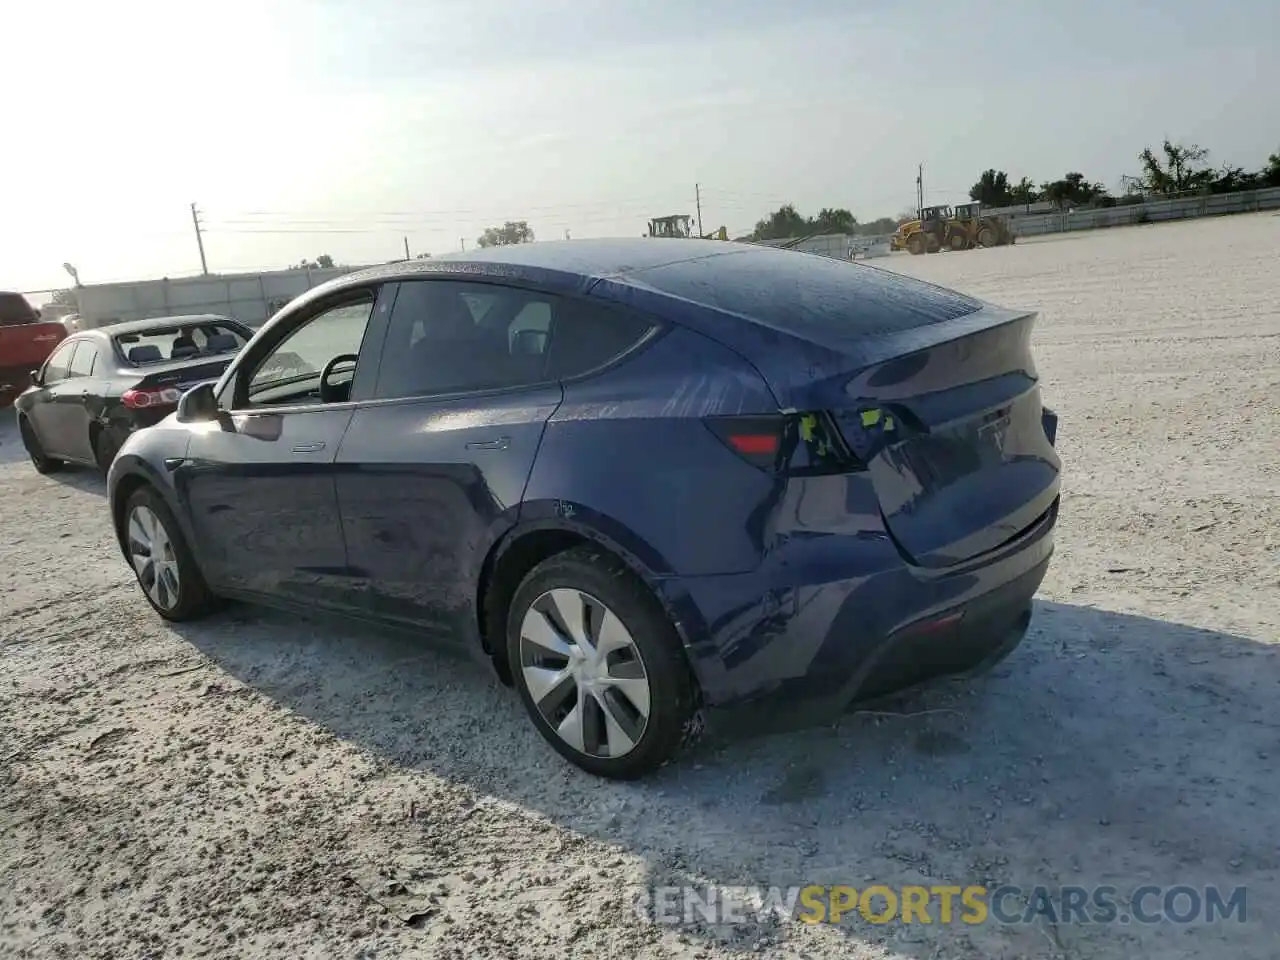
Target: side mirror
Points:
(36, 379)
(198, 404)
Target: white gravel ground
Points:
(243, 787)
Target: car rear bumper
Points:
(796, 645)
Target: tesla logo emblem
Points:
(993, 431)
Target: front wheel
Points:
(599, 666)
(167, 572)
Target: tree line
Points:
(787, 222)
(1176, 168)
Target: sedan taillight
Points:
(151, 397)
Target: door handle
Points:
(308, 447)
(499, 444)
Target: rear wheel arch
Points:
(96, 430)
(521, 549)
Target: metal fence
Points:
(840, 246)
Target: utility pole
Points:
(463, 241)
(697, 196)
(195, 220)
(406, 249)
(920, 190)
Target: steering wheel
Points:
(335, 392)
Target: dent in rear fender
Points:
(630, 445)
(576, 518)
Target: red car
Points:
(25, 343)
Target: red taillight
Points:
(153, 397)
(757, 439)
(796, 443)
(754, 444)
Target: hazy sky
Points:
(310, 126)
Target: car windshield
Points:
(179, 342)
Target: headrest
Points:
(528, 343)
(147, 353)
(221, 343)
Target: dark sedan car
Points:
(657, 483)
(101, 384)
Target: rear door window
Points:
(83, 360)
(449, 336)
(588, 336)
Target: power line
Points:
(474, 211)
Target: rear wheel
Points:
(987, 237)
(958, 241)
(105, 448)
(599, 666)
(932, 244)
(167, 572)
(916, 244)
(31, 442)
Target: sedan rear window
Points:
(179, 342)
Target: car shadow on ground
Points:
(11, 448)
(85, 479)
(1109, 749)
(12, 452)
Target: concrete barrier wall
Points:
(1149, 211)
(248, 297)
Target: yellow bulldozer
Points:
(983, 231)
(943, 228)
(681, 225)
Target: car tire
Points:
(35, 451)
(167, 572)
(619, 712)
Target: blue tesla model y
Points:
(661, 486)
